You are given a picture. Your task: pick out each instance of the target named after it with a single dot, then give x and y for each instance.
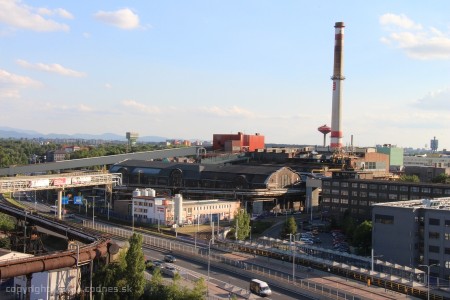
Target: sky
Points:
(191, 69)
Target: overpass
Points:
(100, 161)
(58, 182)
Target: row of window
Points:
(386, 187)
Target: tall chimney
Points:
(338, 77)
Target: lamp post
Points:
(372, 257)
(209, 262)
(428, 277)
(56, 208)
(292, 241)
(25, 233)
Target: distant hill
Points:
(7, 132)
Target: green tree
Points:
(6, 223)
(290, 227)
(241, 225)
(441, 178)
(134, 271)
(409, 178)
(362, 237)
(348, 223)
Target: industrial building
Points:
(415, 233)
(239, 142)
(170, 210)
(351, 190)
(264, 188)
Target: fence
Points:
(201, 253)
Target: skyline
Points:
(192, 69)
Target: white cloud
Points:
(401, 21)
(18, 15)
(233, 111)
(140, 107)
(123, 18)
(52, 68)
(7, 78)
(60, 12)
(436, 100)
(413, 39)
(108, 86)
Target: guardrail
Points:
(275, 277)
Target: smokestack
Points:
(338, 77)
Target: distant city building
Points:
(238, 142)
(71, 149)
(55, 155)
(426, 174)
(434, 144)
(395, 156)
(434, 160)
(413, 233)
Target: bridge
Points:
(100, 161)
(58, 182)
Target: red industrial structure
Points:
(238, 142)
(325, 130)
(338, 78)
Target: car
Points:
(156, 264)
(170, 258)
(170, 270)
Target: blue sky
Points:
(189, 69)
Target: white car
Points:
(307, 241)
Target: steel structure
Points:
(97, 247)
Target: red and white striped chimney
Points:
(338, 77)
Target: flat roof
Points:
(430, 203)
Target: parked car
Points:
(170, 258)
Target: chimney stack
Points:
(338, 77)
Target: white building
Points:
(168, 211)
(426, 161)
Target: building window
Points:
(447, 264)
(393, 188)
(363, 194)
(335, 183)
(363, 203)
(447, 223)
(354, 202)
(403, 188)
(404, 197)
(326, 199)
(326, 183)
(447, 192)
(344, 193)
(355, 194)
(434, 222)
(433, 249)
(344, 184)
(372, 186)
(354, 185)
(383, 187)
(447, 251)
(393, 197)
(344, 201)
(426, 190)
(363, 186)
(437, 191)
(373, 195)
(335, 192)
(384, 219)
(326, 191)
(370, 165)
(433, 235)
(414, 189)
(335, 200)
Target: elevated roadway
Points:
(99, 161)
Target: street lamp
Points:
(25, 233)
(372, 257)
(292, 237)
(428, 278)
(209, 262)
